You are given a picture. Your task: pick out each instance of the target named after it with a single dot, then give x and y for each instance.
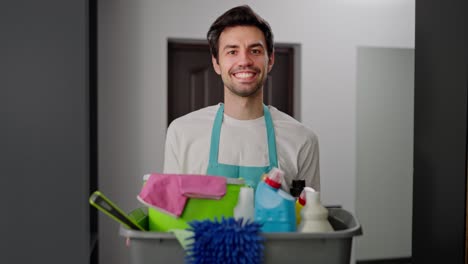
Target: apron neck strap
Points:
(216, 133)
(270, 129)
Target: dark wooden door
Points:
(193, 84)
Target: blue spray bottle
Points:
(274, 208)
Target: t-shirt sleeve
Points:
(309, 167)
(171, 150)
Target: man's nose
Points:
(245, 59)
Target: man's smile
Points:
(245, 75)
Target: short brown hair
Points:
(238, 16)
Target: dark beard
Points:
(246, 93)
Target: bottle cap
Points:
(302, 198)
(274, 178)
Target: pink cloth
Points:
(202, 186)
(169, 192)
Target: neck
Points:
(243, 108)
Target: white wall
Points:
(133, 83)
(384, 151)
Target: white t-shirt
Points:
(243, 143)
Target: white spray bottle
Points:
(314, 217)
(245, 205)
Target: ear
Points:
(215, 65)
(271, 61)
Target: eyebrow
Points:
(254, 45)
(230, 47)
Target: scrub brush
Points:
(228, 241)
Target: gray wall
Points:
(440, 132)
(133, 83)
(44, 143)
(384, 158)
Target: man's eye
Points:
(231, 52)
(256, 51)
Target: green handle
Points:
(101, 202)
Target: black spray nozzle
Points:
(297, 187)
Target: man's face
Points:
(243, 60)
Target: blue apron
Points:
(251, 175)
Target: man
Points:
(242, 137)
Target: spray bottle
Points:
(297, 190)
(300, 202)
(314, 217)
(245, 205)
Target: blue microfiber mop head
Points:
(229, 241)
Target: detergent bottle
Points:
(297, 190)
(300, 202)
(314, 217)
(274, 208)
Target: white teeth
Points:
(244, 75)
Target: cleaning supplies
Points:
(297, 191)
(197, 209)
(169, 192)
(245, 206)
(225, 241)
(314, 217)
(297, 187)
(300, 202)
(184, 236)
(101, 202)
(274, 208)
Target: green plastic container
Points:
(198, 209)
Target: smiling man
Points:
(243, 60)
(242, 137)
